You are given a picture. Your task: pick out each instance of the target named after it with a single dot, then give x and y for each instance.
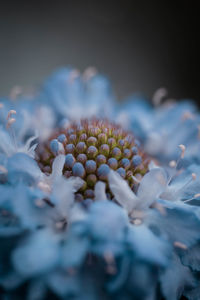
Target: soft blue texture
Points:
(21, 167)
(96, 250)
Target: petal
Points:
(6, 144)
(21, 166)
(193, 294)
(107, 224)
(57, 167)
(74, 251)
(64, 285)
(191, 258)
(39, 254)
(148, 247)
(180, 222)
(100, 191)
(175, 279)
(122, 192)
(152, 185)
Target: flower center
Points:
(91, 149)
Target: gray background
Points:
(139, 45)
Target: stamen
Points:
(193, 177)
(39, 203)
(159, 207)
(137, 222)
(73, 75)
(15, 92)
(9, 126)
(10, 113)
(172, 163)
(89, 73)
(3, 169)
(187, 116)
(180, 245)
(159, 95)
(44, 187)
(193, 198)
(10, 122)
(183, 148)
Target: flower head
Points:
(98, 200)
(92, 148)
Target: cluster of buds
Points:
(91, 149)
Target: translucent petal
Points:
(39, 254)
(191, 258)
(148, 247)
(122, 192)
(175, 279)
(100, 189)
(151, 186)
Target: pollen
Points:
(92, 148)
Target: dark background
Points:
(140, 45)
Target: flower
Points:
(99, 199)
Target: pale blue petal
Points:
(37, 255)
(175, 279)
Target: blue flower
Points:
(98, 199)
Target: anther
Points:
(172, 163)
(10, 113)
(194, 176)
(180, 245)
(137, 222)
(187, 116)
(183, 148)
(10, 122)
(89, 73)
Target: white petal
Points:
(76, 214)
(63, 193)
(151, 186)
(57, 166)
(76, 183)
(99, 191)
(122, 192)
(29, 141)
(152, 165)
(31, 151)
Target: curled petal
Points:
(122, 192)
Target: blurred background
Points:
(140, 45)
